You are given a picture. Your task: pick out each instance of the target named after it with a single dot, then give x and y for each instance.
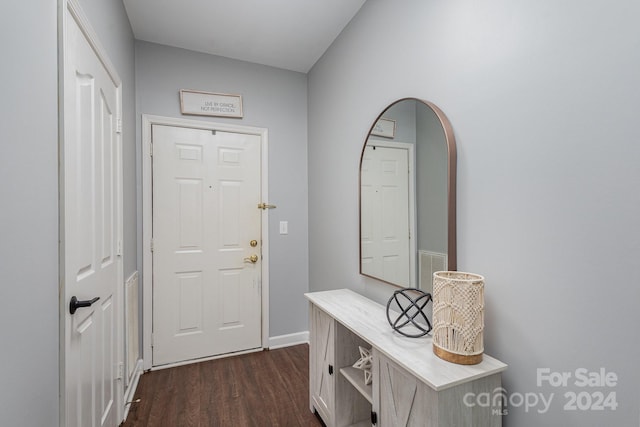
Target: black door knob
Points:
(75, 304)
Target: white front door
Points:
(206, 243)
(90, 229)
(385, 214)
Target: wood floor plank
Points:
(263, 389)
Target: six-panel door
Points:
(92, 263)
(207, 296)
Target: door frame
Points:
(76, 12)
(148, 121)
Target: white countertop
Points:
(368, 320)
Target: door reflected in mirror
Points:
(407, 195)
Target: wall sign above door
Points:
(210, 104)
(384, 127)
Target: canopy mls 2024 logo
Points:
(585, 391)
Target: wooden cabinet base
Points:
(411, 386)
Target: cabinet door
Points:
(400, 399)
(322, 364)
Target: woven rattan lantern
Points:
(458, 316)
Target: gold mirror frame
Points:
(451, 185)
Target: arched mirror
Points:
(408, 195)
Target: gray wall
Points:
(543, 99)
(29, 215)
(274, 99)
(29, 192)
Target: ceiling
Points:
(289, 34)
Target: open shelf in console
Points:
(354, 407)
(356, 377)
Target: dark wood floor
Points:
(264, 389)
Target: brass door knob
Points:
(253, 243)
(253, 258)
(264, 206)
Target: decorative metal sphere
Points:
(410, 309)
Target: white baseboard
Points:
(288, 340)
(130, 392)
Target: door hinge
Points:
(152, 340)
(151, 149)
(118, 125)
(374, 418)
(119, 249)
(120, 371)
(151, 245)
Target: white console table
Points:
(411, 386)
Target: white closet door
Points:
(91, 219)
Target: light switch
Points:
(284, 227)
